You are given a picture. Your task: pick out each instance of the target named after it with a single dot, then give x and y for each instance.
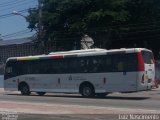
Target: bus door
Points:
(149, 68)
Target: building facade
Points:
(19, 47)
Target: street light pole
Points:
(40, 27)
(39, 35)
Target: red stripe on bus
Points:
(140, 62)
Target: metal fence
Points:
(18, 50)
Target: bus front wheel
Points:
(87, 90)
(24, 88)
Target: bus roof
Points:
(79, 53)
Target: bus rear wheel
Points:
(87, 90)
(25, 89)
(41, 93)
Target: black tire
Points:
(41, 93)
(25, 89)
(87, 90)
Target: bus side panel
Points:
(141, 82)
(41, 82)
(114, 82)
(11, 84)
(121, 82)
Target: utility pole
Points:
(40, 23)
(40, 14)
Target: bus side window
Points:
(95, 65)
(124, 63)
(55, 67)
(91, 65)
(118, 63)
(63, 64)
(41, 67)
(73, 65)
(98, 64)
(108, 65)
(83, 65)
(148, 57)
(9, 70)
(130, 62)
(120, 66)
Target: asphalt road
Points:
(63, 117)
(142, 101)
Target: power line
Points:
(18, 4)
(20, 11)
(11, 14)
(19, 33)
(151, 29)
(15, 33)
(101, 30)
(11, 3)
(26, 34)
(138, 37)
(27, 31)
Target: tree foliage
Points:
(66, 21)
(143, 24)
(111, 23)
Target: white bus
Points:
(92, 72)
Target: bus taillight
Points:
(140, 65)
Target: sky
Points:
(10, 24)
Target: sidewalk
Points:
(1, 89)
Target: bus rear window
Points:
(148, 57)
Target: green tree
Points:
(65, 22)
(143, 24)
